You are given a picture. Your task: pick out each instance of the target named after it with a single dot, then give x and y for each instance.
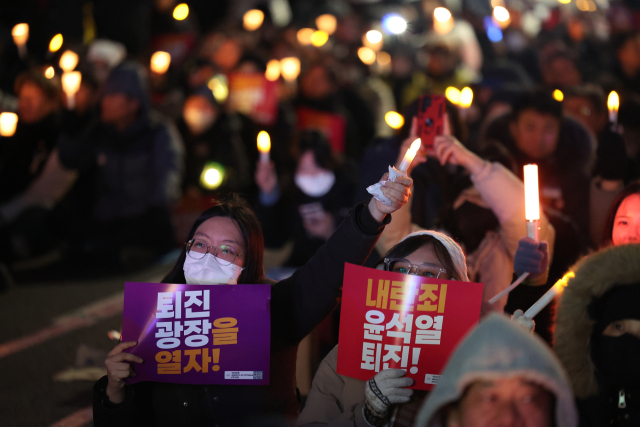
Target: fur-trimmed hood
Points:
(497, 348)
(594, 276)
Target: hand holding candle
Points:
(556, 290)
(264, 146)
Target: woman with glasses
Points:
(225, 246)
(338, 400)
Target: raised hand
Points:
(118, 368)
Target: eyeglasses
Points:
(400, 265)
(225, 254)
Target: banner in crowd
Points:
(332, 125)
(399, 321)
(254, 96)
(199, 334)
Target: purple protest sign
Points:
(199, 334)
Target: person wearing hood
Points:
(137, 161)
(500, 375)
(598, 336)
(338, 400)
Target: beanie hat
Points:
(454, 249)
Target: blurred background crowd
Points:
(122, 120)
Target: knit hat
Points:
(454, 249)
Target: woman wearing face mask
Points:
(338, 400)
(225, 245)
(313, 205)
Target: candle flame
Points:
(160, 62)
(613, 102)
(394, 119)
(558, 95)
(327, 23)
(415, 146)
(68, 60)
(563, 282)
(253, 19)
(264, 142)
(273, 70)
(531, 196)
(290, 68)
(8, 123)
(453, 95)
(466, 97)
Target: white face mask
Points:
(208, 271)
(315, 185)
(197, 120)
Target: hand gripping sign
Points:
(199, 334)
(398, 321)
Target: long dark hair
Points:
(413, 243)
(237, 209)
(607, 232)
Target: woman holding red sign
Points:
(225, 246)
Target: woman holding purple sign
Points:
(225, 246)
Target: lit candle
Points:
(68, 61)
(273, 70)
(70, 85)
(56, 43)
(8, 123)
(290, 68)
(252, 19)
(411, 153)
(453, 95)
(466, 97)
(20, 34)
(264, 146)
(557, 289)
(160, 62)
(327, 23)
(613, 103)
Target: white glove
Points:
(524, 322)
(383, 391)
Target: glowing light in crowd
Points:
(367, 55)
(70, 85)
(558, 95)
(290, 68)
(212, 176)
(56, 43)
(586, 5)
(160, 62)
(319, 38)
(8, 123)
(304, 36)
(264, 146)
(393, 23)
(49, 72)
(384, 59)
(374, 36)
(613, 103)
(411, 153)
(565, 1)
(557, 289)
(394, 120)
(273, 70)
(20, 34)
(453, 95)
(466, 97)
(531, 196)
(494, 33)
(219, 87)
(68, 60)
(501, 14)
(327, 23)
(253, 19)
(180, 12)
(441, 14)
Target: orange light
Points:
(304, 36)
(613, 103)
(71, 82)
(49, 72)
(290, 68)
(20, 34)
(327, 23)
(68, 61)
(181, 12)
(394, 119)
(8, 123)
(466, 97)
(264, 142)
(367, 55)
(453, 95)
(253, 19)
(160, 62)
(319, 38)
(56, 43)
(558, 95)
(273, 70)
(531, 196)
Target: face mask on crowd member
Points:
(313, 180)
(215, 255)
(199, 115)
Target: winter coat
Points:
(497, 348)
(595, 275)
(298, 304)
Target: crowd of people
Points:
(111, 176)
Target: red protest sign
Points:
(399, 321)
(332, 125)
(254, 96)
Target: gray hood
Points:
(497, 348)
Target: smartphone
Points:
(431, 111)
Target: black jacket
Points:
(298, 304)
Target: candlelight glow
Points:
(160, 62)
(319, 38)
(304, 36)
(563, 282)
(212, 176)
(411, 153)
(181, 12)
(394, 120)
(56, 43)
(558, 95)
(49, 72)
(501, 14)
(264, 142)
(327, 23)
(383, 59)
(253, 19)
(565, 1)
(367, 55)
(20, 34)
(453, 95)
(441, 14)
(219, 87)
(290, 68)
(71, 82)
(374, 36)
(8, 123)
(68, 60)
(613, 101)
(273, 70)
(531, 196)
(466, 97)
